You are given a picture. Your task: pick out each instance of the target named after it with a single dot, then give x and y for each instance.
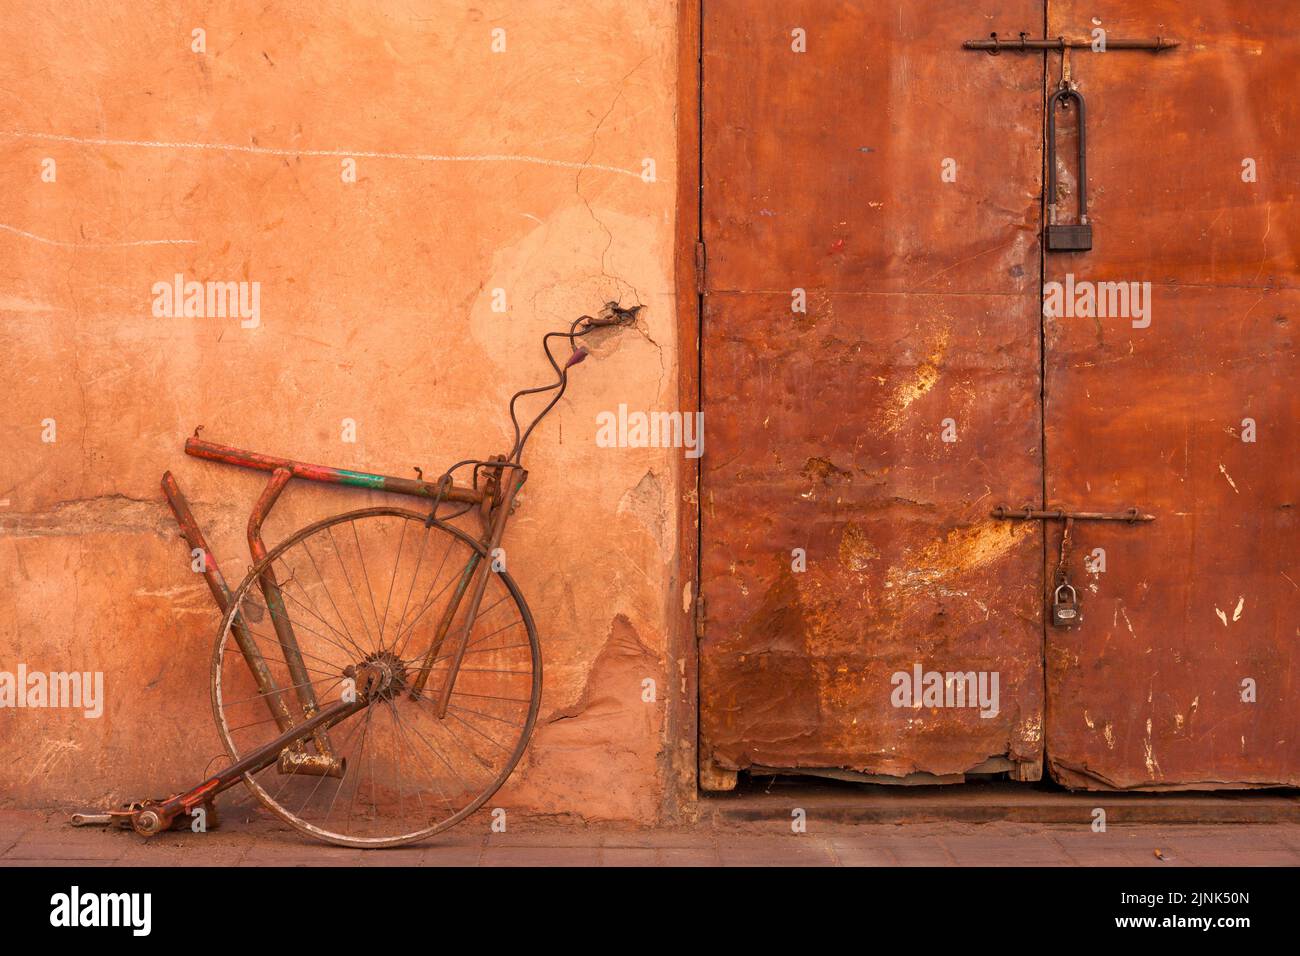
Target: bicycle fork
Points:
(474, 580)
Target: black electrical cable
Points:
(613, 315)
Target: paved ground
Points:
(35, 839)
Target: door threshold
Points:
(767, 799)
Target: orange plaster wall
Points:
(476, 170)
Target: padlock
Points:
(1065, 612)
(1067, 237)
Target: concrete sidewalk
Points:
(29, 838)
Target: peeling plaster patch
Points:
(543, 270)
(1109, 733)
(623, 659)
(646, 502)
(178, 591)
(597, 757)
(110, 514)
(183, 599)
(1222, 617)
(686, 598)
(11, 303)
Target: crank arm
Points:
(144, 817)
(150, 817)
(91, 818)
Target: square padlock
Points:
(1069, 237)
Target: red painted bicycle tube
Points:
(227, 454)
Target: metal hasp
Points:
(1022, 44)
(1065, 607)
(1067, 237)
(1076, 236)
(1131, 515)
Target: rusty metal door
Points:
(871, 386)
(1184, 670)
(878, 373)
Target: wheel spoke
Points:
(361, 615)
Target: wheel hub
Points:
(381, 676)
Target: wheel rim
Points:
(367, 590)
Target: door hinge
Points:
(699, 268)
(699, 618)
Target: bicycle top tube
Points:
(227, 454)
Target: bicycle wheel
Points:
(377, 587)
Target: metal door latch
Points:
(1028, 513)
(1077, 236)
(1023, 44)
(1066, 610)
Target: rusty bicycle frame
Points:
(501, 478)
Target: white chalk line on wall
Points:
(95, 245)
(337, 153)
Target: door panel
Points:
(821, 169)
(822, 172)
(1147, 691)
